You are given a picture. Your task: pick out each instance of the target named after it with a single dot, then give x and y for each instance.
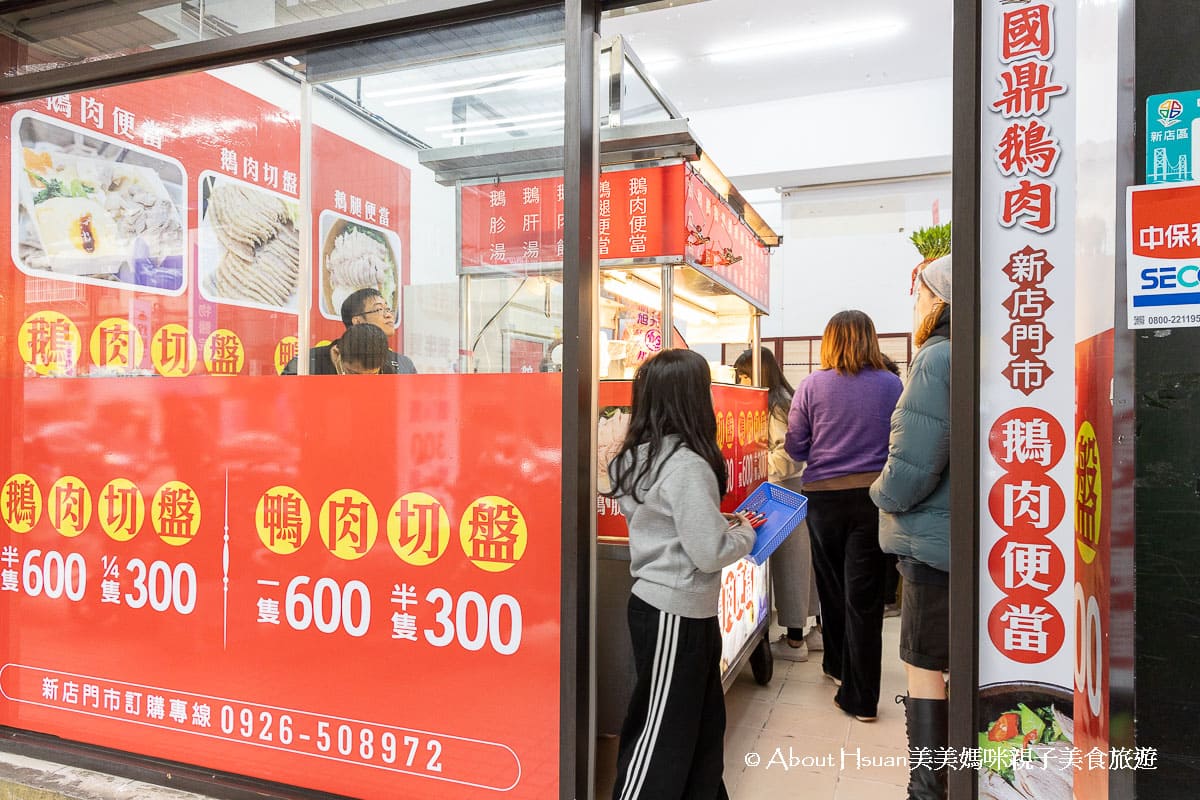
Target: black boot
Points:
(928, 733)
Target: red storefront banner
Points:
(663, 212)
(153, 233)
(719, 242)
(741, 432)
(1093, 559)
(346, 584)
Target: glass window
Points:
(50, 35)
(290, 577)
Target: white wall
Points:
(844, 136)
(848, 247)
(844, 246)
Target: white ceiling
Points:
(777, 49)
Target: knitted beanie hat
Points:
(937, 277)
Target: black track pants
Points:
(673, 740)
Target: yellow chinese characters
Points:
(282, 520)
(117, 345)
(69, 506)
(418, 529)
(348, 524)
(173, 351)
(21, 503)
(121, 509)
(49, 343)
(285, 351)
(1088, 492)
(493, 533)
(223, 353)
(175, 513)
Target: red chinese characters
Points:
(1028, 33)
(1026, 89)
(1027, 505)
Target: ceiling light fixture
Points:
(554, 123)
(556, 79)
(472, 81)
(810, 41)
(636, 289)
(487, 123)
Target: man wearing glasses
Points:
(364, 305)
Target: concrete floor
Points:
(841, 758)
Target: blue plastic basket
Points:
(785, 510)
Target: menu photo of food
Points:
(1026, 742)
(249, 245)
(94, 209)
(355, 255)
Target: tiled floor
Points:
(787, 739)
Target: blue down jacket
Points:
(913, 491)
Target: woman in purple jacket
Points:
(839, 423)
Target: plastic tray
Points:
(785, 510)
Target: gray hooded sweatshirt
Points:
(678, 538)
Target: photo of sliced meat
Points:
(257, 253)
(355, 255)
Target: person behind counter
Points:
(361, 350)
(362, 306)
(669, 477)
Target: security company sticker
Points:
(1163, 256)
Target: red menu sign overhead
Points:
(720, 243)
(204, 571)
(664, 213)
(519, 223)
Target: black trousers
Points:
(673, 739)
(844, 530)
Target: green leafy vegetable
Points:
(932, 242)
(53, 187)
(1037, 726)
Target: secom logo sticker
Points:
(1166, 279)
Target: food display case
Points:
(679, 251)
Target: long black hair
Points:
(672, 394)
(779, 391)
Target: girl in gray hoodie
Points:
(669, 477)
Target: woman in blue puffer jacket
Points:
(913, 496)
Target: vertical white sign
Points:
(1027, 286)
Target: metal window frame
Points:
(579, 388)
(964, 392)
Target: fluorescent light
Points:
(554, 123)
(637, 292)
(535, 83)
(429, 87)
(487, 123)
(662, 65)
(812, 40)
(635, 289)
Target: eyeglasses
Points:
(387, 312)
